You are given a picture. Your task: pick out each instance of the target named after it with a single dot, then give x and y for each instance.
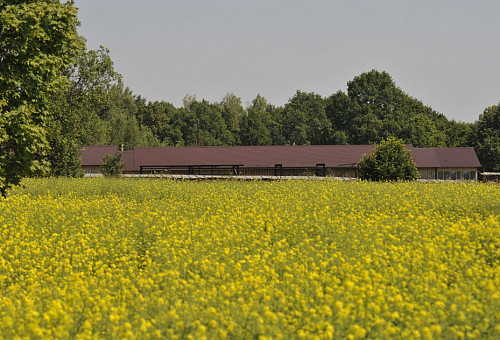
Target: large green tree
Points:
(38, 40)
(95, 109)
(76, 110)
(488, 138)
(375, 108)
(374, 99)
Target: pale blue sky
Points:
(444, 53)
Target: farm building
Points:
(491, 177)
(286, 160)
(446, 163)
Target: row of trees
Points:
(373, 108)
(56, 96)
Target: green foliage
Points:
(374, 99)
(339, 113)
(232, 112)
(305, 120)
(64, 156)
(38, 39)
(375, 108)
(94, 109)
(256, 124)
(390, 161)
(112, 165)
(460, 134)
(75, 109)
(159, 117)
(421, 131)
(120, 119)
(213, 128)
(488, 138)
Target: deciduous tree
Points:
(256, 124)
(233, 113)
(76, 110)
(488, 138)
(305, 120)
(38, 40)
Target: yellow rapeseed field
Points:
(151, 259)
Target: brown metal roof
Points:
(335, 156)
(93, 154)
(254, 156)
(446, 158)
(128, 159)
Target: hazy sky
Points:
(444, 53)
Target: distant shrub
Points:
(112, 165)
(389, 161)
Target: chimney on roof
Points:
(121, 147)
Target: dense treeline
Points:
(97, 109)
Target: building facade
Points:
(286, 160)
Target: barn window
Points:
(453, 175)
(469, 175)
(443, 175)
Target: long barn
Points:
(286, 160)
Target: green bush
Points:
(389, 161)
(112, 165)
